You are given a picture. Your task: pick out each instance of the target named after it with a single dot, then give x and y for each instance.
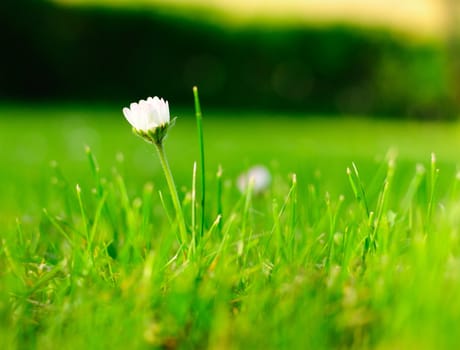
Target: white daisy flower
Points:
(149, 118)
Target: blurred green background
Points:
(307, 77)
(378, 58)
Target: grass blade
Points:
(199, 123)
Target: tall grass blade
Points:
(199, 123)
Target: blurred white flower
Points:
(149, 118)
(258, 177)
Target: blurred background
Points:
(384, 58)
(328, 82)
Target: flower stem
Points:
(173, 191)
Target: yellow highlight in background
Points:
(419, 18)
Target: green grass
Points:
(324, 259)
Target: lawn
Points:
(367, 258)
(33, 137)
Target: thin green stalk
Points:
(358, 189)
(219, 198)
(215, 224)
(330, 240)
(83, 215)
(165, 207)
(146, 212)
(97, 216)
(285, 240)
(434, 171)
(95, 170)
(193, 214)
(276, 230)
(333, 213)
(173, 191)
(86, 232)
(382, 202)
(199, 123)
(58, 227)
(293, 221)
(247, 205)
(407, 201)
(20, 232)
(15, 267)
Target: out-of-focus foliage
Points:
(100, 54)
